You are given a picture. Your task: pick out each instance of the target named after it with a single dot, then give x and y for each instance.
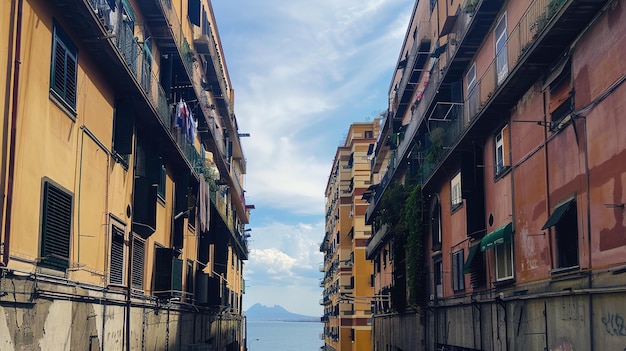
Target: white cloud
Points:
(302, 72)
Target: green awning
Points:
(497, 237)
(558, 213)
(470, 258)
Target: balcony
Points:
(543, 33)
(375, 243)
(414, 66)
(205, 44)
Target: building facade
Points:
(123, 216)
(347, 282)
(504, 117)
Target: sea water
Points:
(284, 336)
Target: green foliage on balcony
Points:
(401, 209)
(412, 221)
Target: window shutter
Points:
(182, 205)
(137, 269)
(202, 285)
(56, 227)
(168, 278)
(117, 256)
(123, 122)
(194, 12)
(60, 53)
(64, 70)
(70, 79)
(144, 207)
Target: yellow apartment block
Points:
(123, 214)
(347, 282)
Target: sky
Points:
(302, 71)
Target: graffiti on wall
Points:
(614, 324)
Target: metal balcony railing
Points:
(536, 18)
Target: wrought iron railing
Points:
(138, 62)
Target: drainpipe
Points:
(14, 102)
(547, 174)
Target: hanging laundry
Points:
(182, 115)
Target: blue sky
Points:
(303, 71)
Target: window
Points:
(438, 276)
(168, 272)
(123, 124)
(138, 258)
(118, 254)
(435, 223)
(456, 199)
(56, 226)
(561, 97)
(564, 219)
(502, 66)
(502, 150)
(473, 101)
(189, 278)
(162, 181)
(458, 279)
(504, 261)
(193, 11)
(369, 134)
(63, 75)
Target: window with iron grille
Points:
(116, 267)
(64, 67)
(138, 261)
(56, 226)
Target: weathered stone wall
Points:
(44, 314)
(576, 312)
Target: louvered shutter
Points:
(56, 226)
(64, 67)
(117, 256)
(137, 270)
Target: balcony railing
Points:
(536, 18)
(533, 22)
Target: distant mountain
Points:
(258, 312)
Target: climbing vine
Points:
(412, 221)
(401, 209)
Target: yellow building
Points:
(123, 214)
(347, 283)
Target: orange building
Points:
(507, 120)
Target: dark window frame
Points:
(435, 222)
(458, 278)
(64, 70)
(57, 212)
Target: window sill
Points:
(565, 273)
(503, 172)
(504, 283)
(64, 106)
(454, 208)
(161, 199)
